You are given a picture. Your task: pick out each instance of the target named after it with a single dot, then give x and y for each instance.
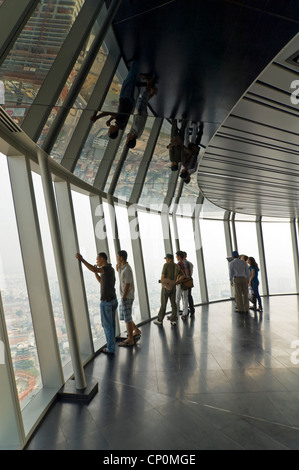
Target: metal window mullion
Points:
(228, 240)
(174, 213)
(14, 16)
(139, 265)
(98, 219)
(80, 78)
(97, 98)
(199, 251)
(116, 242)
(61, 269)
(145, 162)
(262, 257)
(35, 271)
(233, 232)
(73, 267)
(55, 80)
(165, 221)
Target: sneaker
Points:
(158, 322)
(184, 317)
(173, 323)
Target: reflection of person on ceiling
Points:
(125, 106)
(140, 118)
(176, 145)
(193, 135)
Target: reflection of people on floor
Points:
(176, 145)
(126, 104)
(139, 119)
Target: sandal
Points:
(126, 344)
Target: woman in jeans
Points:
(254, 282)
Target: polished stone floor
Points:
(222, 380)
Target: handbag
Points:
(187, 283)
(168, 283)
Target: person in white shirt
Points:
(126, 285)
(239, 277)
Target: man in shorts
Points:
(126, 285)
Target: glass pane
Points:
(65, 134)
(151, 234)
(210, 211)
(187, 244)
(15, 297)
(92, 152)
(117, 157)
(279, 257)
(34, 52)
(88, 249)
(81, 101)
(110, 222)
(125, 244)
(130, 168)
(188, 199)
(51, 271)
(244, 217)
(214, 248)
(158, 174)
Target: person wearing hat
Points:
(239, 277)
(171, 274)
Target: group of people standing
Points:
(243, 274)
(105, 275)
(177, 283)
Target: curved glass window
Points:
(187, 244)
(247, 242)
(34, 52)
(58, 312)
(124, 236)
(279, 257)
(216, 265)
(86, 237)
(157, 179)
(151, 236)
(131, 165)
(15, 297)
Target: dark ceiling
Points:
(205, 55)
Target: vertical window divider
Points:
(74, 274)
(262, 257)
